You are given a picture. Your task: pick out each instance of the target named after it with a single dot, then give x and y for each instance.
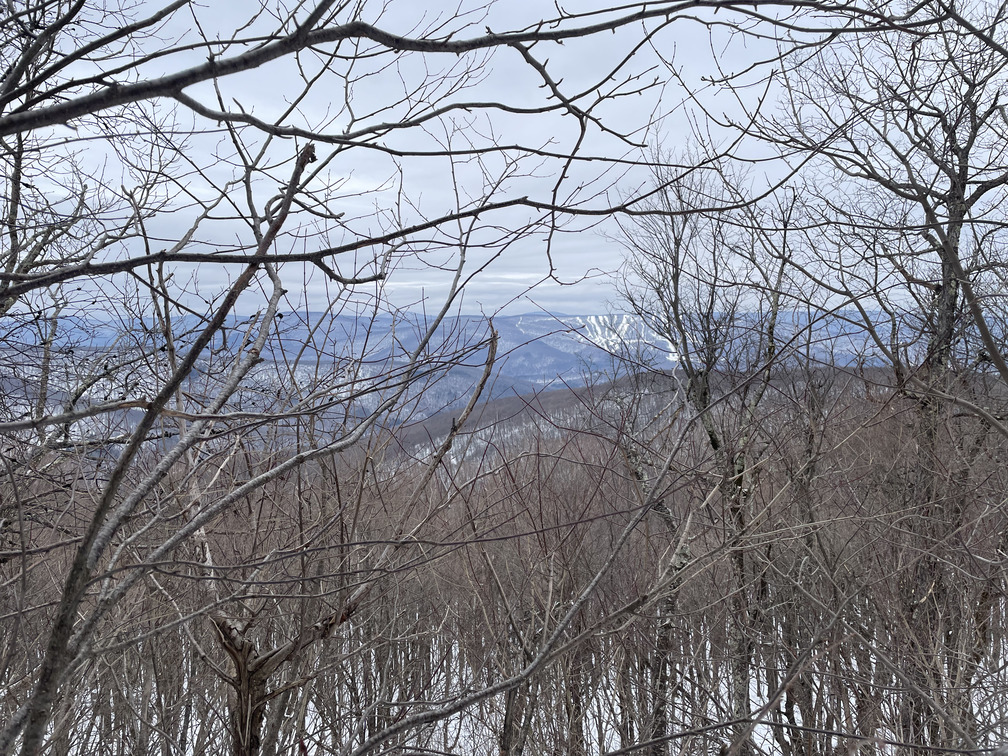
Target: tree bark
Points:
(247, 698)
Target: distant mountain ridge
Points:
(535, 352)
(537, 348)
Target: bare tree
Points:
(217, 234)
(893, 139)
(177, 180)
(711, 285)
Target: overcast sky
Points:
(586, 256)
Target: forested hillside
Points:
(794, 589)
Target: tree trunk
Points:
(663, 683)
(247, 699)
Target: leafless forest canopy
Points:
(236, 241)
